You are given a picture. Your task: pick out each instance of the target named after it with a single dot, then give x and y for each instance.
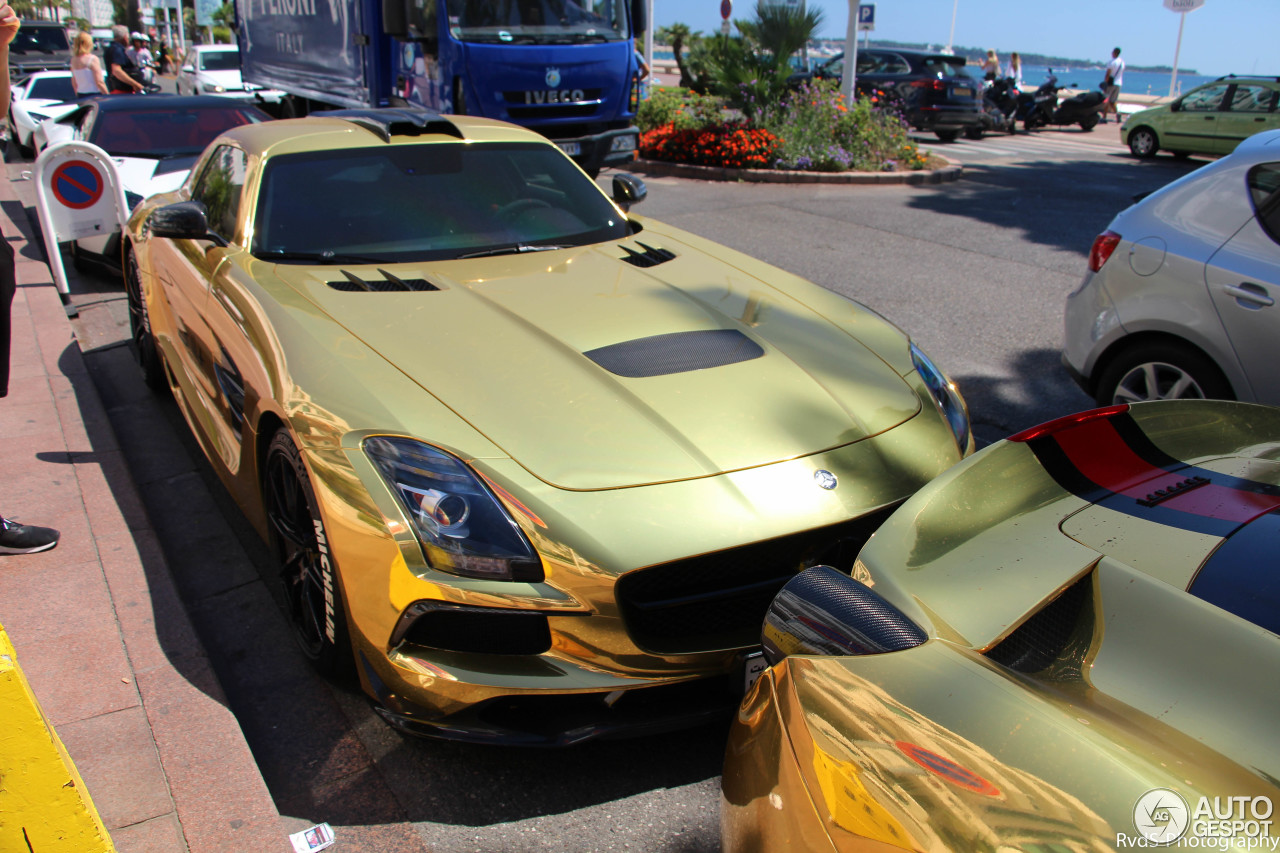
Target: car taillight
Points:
(935, 85)
(1103, 245)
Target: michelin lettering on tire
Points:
(326, 574)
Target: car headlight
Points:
(945, 395)
(217, 88)
(462, 527)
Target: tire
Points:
(973, 133)
(145, 350)
(308, 571)
(947, 135)
(1143, 142)
(1161, 371)
(1089, 122)
(78, 260)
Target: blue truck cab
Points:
(565, 68)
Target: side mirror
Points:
(639, 17)
(1176, 106)
(628, 190)
(824, 612)
(184, 220)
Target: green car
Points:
(1210, 119)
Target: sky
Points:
(1221, 37)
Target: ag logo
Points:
(1161, 815)
(553, 77)
(825, 479)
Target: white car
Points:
(214, 69)
(1182, 297)
(154, 140)
(45, 94)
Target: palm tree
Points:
(780, 30)
(677, 36)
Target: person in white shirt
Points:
(86, 69)
(1111, 84)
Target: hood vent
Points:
(388, 283)
(680, 352)
(650, 257)
(1044, 637)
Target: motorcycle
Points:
(1083, 109)
(999, 108)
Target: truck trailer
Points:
(565, 68)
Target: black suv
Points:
(935, 91)
(39, 46)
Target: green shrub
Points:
(679, 107)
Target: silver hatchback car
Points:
(1180, 300)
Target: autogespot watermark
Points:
(1163, 818)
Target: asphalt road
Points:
(975, 270)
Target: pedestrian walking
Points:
(14, 538)
(1111, 84)
(86, 68)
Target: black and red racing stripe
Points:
(1105, 458)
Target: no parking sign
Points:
(78, 194)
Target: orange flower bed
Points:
(729, 145)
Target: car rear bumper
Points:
(945, 118)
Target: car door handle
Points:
(1250, 293)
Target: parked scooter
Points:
(1083, 109)
(999, 108)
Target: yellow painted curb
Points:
(44, 805)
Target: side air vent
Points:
(679, 352)
(650, 257)
(1043, 638)
(388, 283)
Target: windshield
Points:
(40, 40)
(52, 89)
(538, 21)
(166, 133)
(220, 60)
(944, 66)
(430, 201)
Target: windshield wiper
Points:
(517, 249)
(328, 256)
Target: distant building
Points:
(99, 13)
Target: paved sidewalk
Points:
(97, 624)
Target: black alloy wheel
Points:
(145, 349)
(308, 570)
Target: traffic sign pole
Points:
(850, 54)
(1182, 7)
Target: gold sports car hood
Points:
(599, 373)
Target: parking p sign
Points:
(867, 17)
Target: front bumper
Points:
(597, 151)
(563, 719)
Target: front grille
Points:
(718, 601)
(553, 111)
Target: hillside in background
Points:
(976, 55)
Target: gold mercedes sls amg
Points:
(1068, 642)
(533, 465)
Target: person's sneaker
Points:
(25, 538)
